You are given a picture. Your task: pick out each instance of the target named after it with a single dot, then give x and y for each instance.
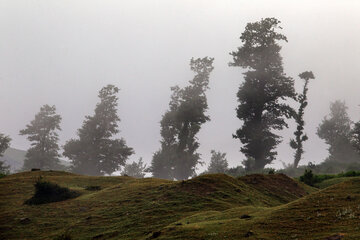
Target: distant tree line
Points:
(263, 110)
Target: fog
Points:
(62, 52)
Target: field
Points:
(214, 206)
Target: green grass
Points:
(206, 207)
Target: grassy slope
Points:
(128, 208)
(206, 207)
(334, 210)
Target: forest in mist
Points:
(208, 91)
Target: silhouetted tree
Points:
(4, 144)
(177, 157)
(135, 169)
(218, 162)
(261, 96)
(300, 136)
(336, 131)
(42, 133)
(96, 152)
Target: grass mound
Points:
(47, 192)
(278, 185)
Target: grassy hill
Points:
(206, 207)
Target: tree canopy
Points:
(336, 131)
(261, 96)
(218, 162)
(177, 157)
(42, 133)
(96, 152)
(300, 135)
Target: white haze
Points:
(63, 52)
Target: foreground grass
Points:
(207, 207)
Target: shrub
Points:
(47, 192)
(308, 178)
(311, 179)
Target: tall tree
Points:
(177, 157)
(4, 144)
(261, 96)
(218, 162)
(300, 135)
(96, 152)
(336, 130)
(42, 133)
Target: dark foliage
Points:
(47, 192)
(337, 132)
(261, 107)
(218, 162)
(308, 178)
(311, 179)
(95, 152)
(42, 133)
(177, 158)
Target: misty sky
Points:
(62, 52)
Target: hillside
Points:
(206, 207)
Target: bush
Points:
(311, 179)
(308, 178)
(47, 192)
